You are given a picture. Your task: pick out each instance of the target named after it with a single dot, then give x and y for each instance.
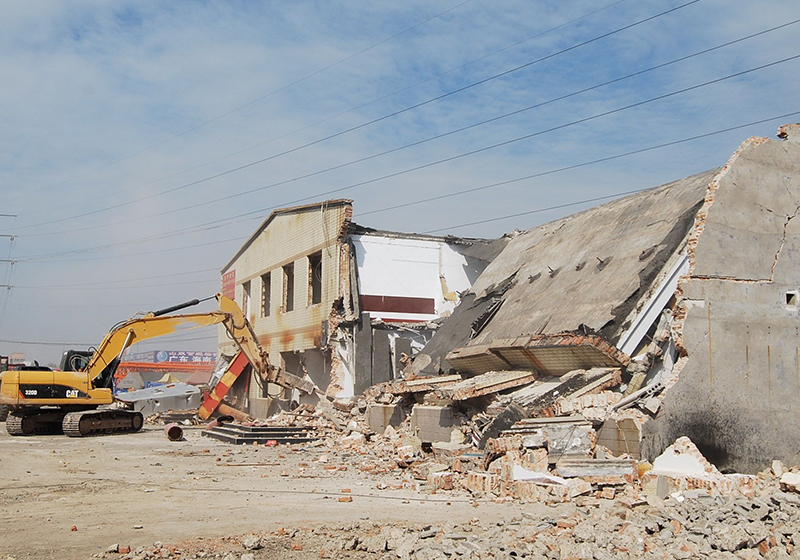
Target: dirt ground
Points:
(71, 498)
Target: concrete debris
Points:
(555, 354)
(485, 384)
(624, 527)
(163, 398)
(790, 482)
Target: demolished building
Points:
(668, 313)
(341, 304)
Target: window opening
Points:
(266, 294)
(246, 298)
(315, 278)
(288, 287)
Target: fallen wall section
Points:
(735, 390)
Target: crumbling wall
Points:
(736, 389)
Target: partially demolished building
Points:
(672, 312)
(341, 304)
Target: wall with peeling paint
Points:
(736, 386)
(287, 238)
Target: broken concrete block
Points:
(448, 449)
(621, 436)
(432, 423)
(683, 458)
(534, 440)
(537, 459)
(252, 542)
(777, 468)
(408, 453)
(353, 440)
(491, 382)
(379, 416)
(652, 405)
(596, 468)
(578, 487)
(790, 482)
(440, 481)
(521, 473)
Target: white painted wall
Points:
(389, 266)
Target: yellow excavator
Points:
(76, 402)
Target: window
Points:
(288, 287)
(266, 294)
(246, 298)
(315, 278)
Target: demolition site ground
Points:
(72, 498)
(141, 497)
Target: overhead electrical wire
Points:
(379, 119)
(219, 223)
(558, 170)
(567, 168)
(156, 251)
(249, 103)
(95, 288)
(105, 282)
(431, 138)
(37, 343)
(366, 104)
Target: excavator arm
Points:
(103, 364)
(250, 351)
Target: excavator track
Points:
(36, 423)
(98, 422)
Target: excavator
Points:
(81, 403)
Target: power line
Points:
(460, 192)
(87, 344)
(366, 104)
(141, 253)
(438, 136)
(561, 169)
(103, 283)
(249, 103)
(218, 223)
(9, 276)
(94, 288)
(384, 117)
(39, 343)
(94, 305)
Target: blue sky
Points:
(110, 104)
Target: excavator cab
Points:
(75, 360)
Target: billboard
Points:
(161, 356)
(229, 284)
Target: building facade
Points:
(341, 304)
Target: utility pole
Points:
(9, 272)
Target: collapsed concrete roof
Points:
(593, 272)
(690, 290)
